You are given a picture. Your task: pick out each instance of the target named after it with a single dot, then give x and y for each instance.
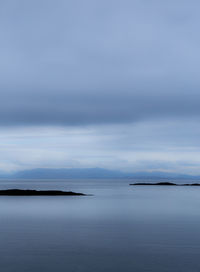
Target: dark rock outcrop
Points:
(158, 183)
(21, 192)
(164, 184)
(192, 184)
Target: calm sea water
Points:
(119, 228)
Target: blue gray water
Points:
(119, 228)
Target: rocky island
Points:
(164, 184)
(21, 192)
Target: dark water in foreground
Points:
(120, 228)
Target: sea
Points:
(117, 227)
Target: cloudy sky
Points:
(110, 83)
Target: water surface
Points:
(119, 228)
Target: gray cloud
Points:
(96, 62)
(94, 108)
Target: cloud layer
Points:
(100, 83)
(75, 62)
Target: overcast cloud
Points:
(122, 75)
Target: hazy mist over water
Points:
(119, 228)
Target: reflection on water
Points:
(119, 228)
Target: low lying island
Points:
(21, 192)
(163, 184)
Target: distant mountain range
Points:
(95, 173)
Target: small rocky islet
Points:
(163, 184)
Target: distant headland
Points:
(93, 173)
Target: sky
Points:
(110, 83)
